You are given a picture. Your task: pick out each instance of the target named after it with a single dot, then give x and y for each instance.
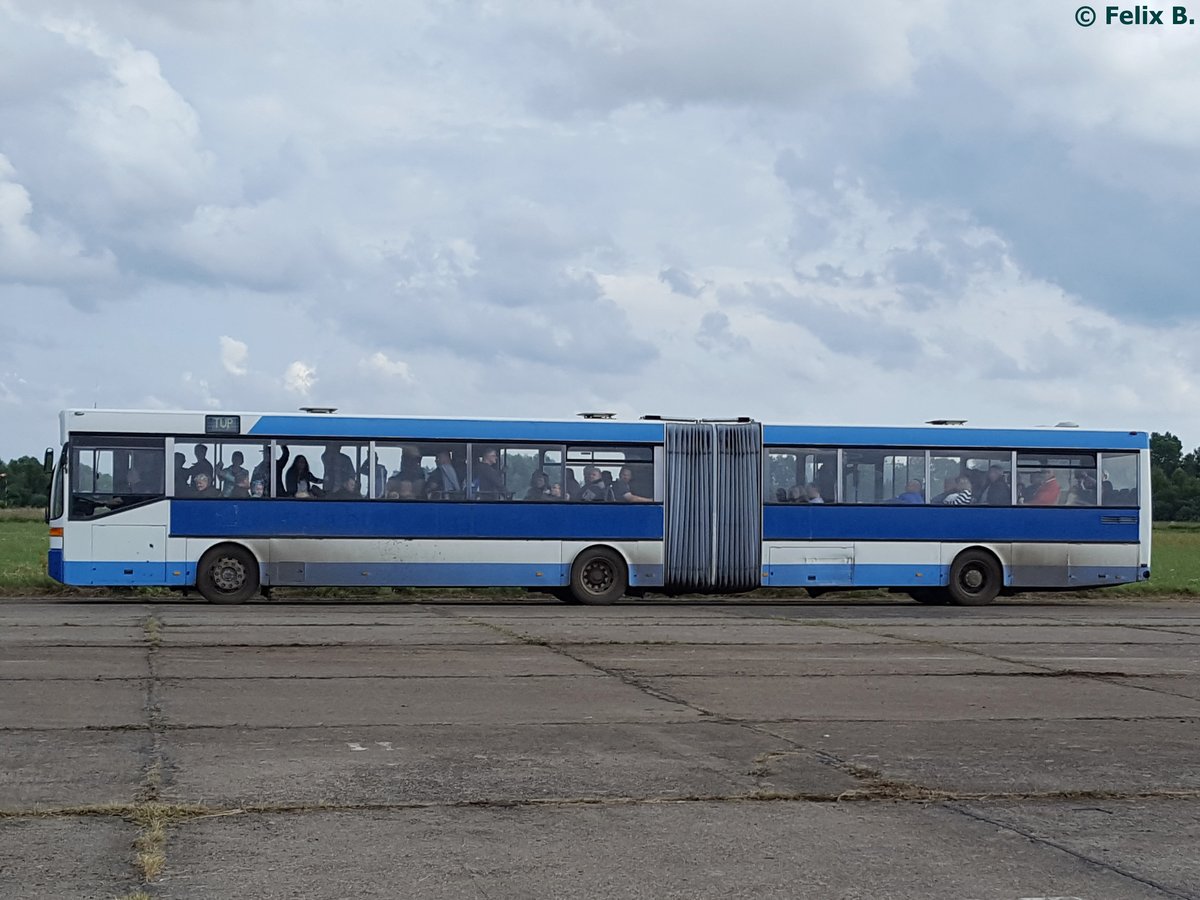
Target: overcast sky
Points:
(879, 212)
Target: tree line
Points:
(23, 482)
(1175, 479)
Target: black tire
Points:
(930, 596)
(227, 574)
(598, 577)
(564, 594)
(975, 578)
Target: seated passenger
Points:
(445, 480)
(1047, 491)
(996, 491)
(488, 479)
(812, 493)
(797, 494)
(556, 492)
(202, 487)
(912, 493)
(623, 490)
(258, 489)
(949, 486)
(961, 496)
(241, 490)
(405, 490)
(594, 487)
(539, 486)
(571, 486)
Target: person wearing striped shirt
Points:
(962, 496)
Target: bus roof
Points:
(233, 424)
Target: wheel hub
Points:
(972, 579)
(229, 574)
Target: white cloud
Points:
(379, 364)
(299, 378)
(234, 354)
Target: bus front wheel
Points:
(975, 578)
(598, 576)
(227, 574)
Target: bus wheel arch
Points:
(227, 574)
(976, 577)
(599, 575)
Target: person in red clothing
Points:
(1047, 492)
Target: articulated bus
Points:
(233, 504)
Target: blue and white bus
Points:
(591, 509)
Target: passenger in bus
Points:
(1047, 491)
(949, 486)
(241, 489)
(229, 476)
(350, 489)
(489, 480)
(410, 465)
(300, 478)
(202, 487)
(556, 492)
(262, 471)
(380, 475)
(962, 495)
(812, 493)
(405, 490)
(571, 486)
(539, 486)
(257, 489)
(996, 490)
(201, 466)
(826, 481)
(912, 493)
(796, 494)
(624, 488)
(338, 468)
(446, 480)
(594, 487)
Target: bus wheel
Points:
(930, 596)
(598, 576)
(227, 574)
(975, 578)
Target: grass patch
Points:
(23, 546)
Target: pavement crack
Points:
(1070, 851)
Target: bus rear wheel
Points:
(975, 578)
(598, 576)
(227, 574)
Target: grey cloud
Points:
(715, 334)
(681, 282)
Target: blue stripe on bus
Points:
(583, 431)
(882, 437)
(947, 523)
(857, 574)
(383, 519)
(907, 575)
(349, 574)
(54, 564)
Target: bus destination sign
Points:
(222, 424)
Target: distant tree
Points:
(26, 483)
(1165, 451)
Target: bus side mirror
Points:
(48, 461)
